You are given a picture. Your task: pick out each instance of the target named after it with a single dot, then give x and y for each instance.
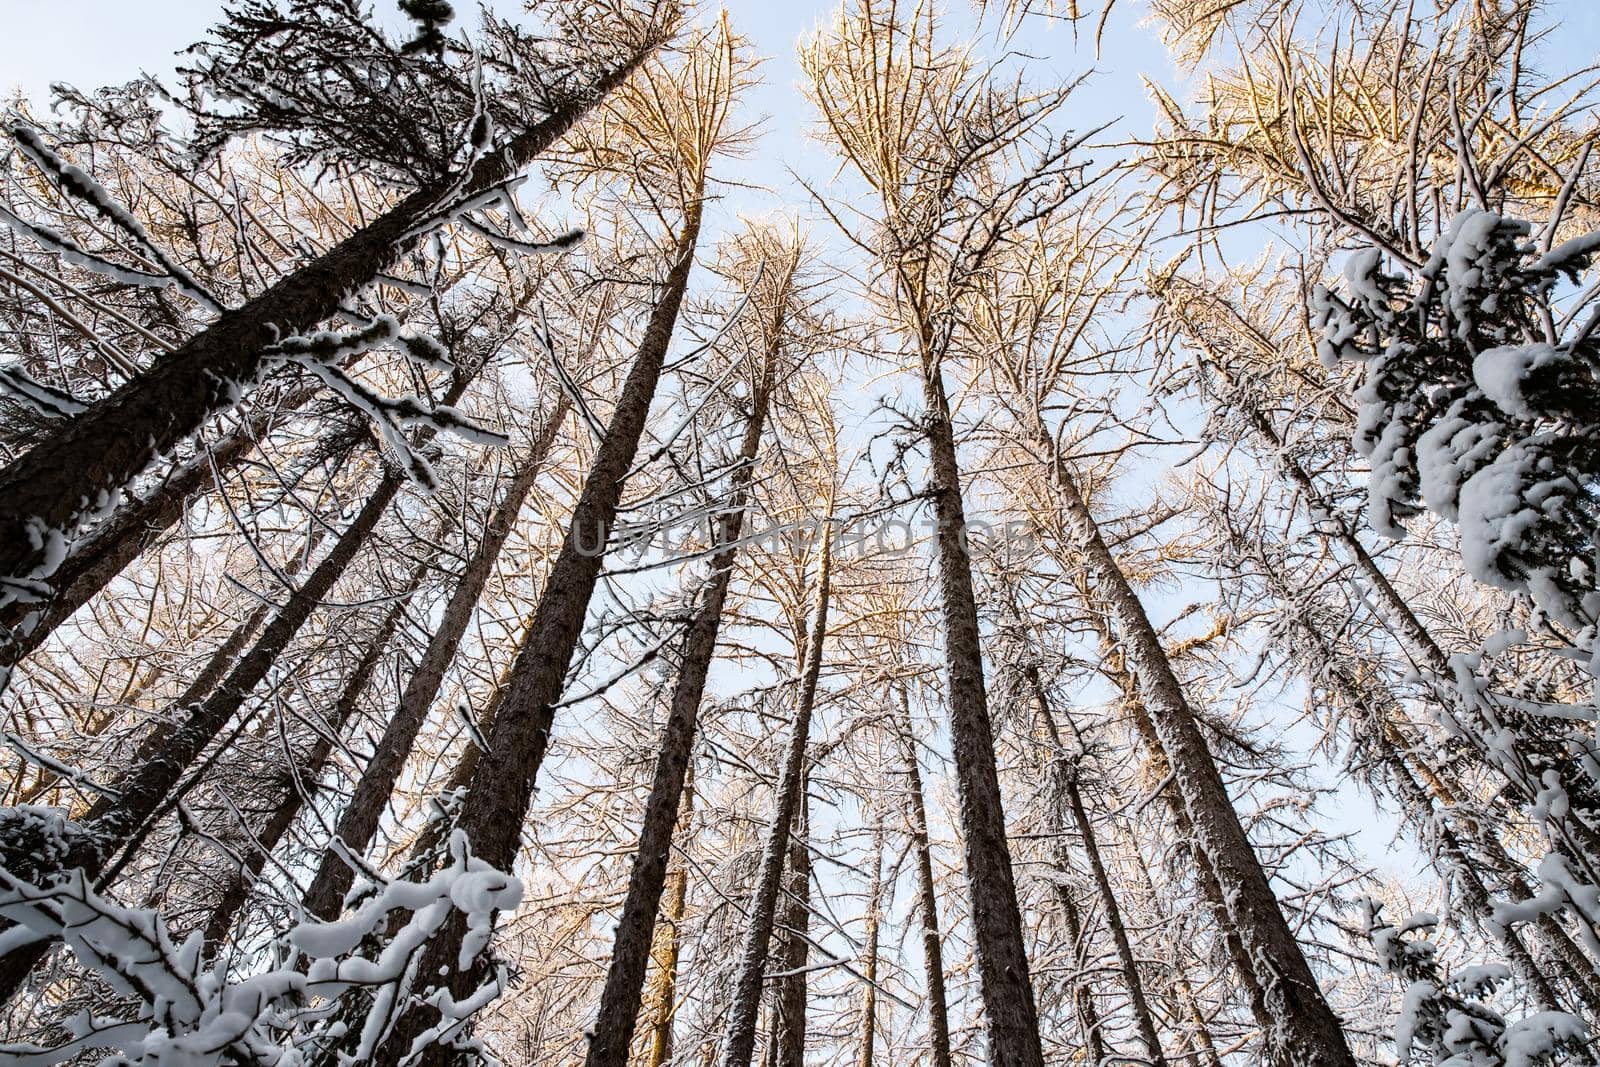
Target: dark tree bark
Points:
(1013, 1020)
(869, 968)
(1062, 772)
(56, 485)
(124, 537)
(1303, 1031)
(359, 822)
(114, 823)
(620, 998)
(786, 1046)
(927, 898)
(300, 785)
(739, 1042)
(1094, 1043)
(1204, 874)
(496, 804)
(1200, 1037)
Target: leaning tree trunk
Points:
(496, 804)
(869, 969)
(1009, 1011)
(927, 898)
(359, 822)
(1397, 613)
(1062, 773)
(740, 1039)
(1332, 667)
(620, 998)
(664, 952)
(116, 821)
(48, 493)
(1304, 1031)
(301, 783)
(1083, 1006)
(1205, 1044)
(93, 561)
(787, 1039)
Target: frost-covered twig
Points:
(200, 1016)
(77, 183)
(322, 353)
(48, 401)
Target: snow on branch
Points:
(197, 1015)
(321, 353)
(77, 183)
(48, 401)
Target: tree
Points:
(61, 483)
(678, 123)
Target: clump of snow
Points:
(195, 1015)
(1500, 373)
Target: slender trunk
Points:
(1581, 838)
(619, 1000)
(1094, 1044)
(787, 1044)
(927, 898)
(46, 494)
(1142, 1017)
(1062, 773)
(1009, 1011)
(98, 558)
(301, 784)
(115, 822)
(869, 967)
(359, 822)
(1201, 1035)
(496, 803)
(429, 843)
(1205, 876)
(740, 1039)
(664, 950)
(1304, 1031)
(1330, 666)
(205, 680)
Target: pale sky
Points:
(101, 42)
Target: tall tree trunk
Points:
(662, 1008)
(1377, 719)
(1401, 619)
(927, 898)
(46, 494)
(359, 822)
(1013, 1020)
(116, 821)
(1094, 1044)
(1304, 1031)
(496, 804)
(96, 559)
(619, 999)
(1208, 1055)
(869, 967)
(301, 783)
(740, 1039)
(1062, 770)
(1205, 875)
(205, 680)
(787, 1044)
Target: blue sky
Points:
(97, 42)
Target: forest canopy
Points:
(635, 532)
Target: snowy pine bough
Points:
(292, 1006)
(1480, 403)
